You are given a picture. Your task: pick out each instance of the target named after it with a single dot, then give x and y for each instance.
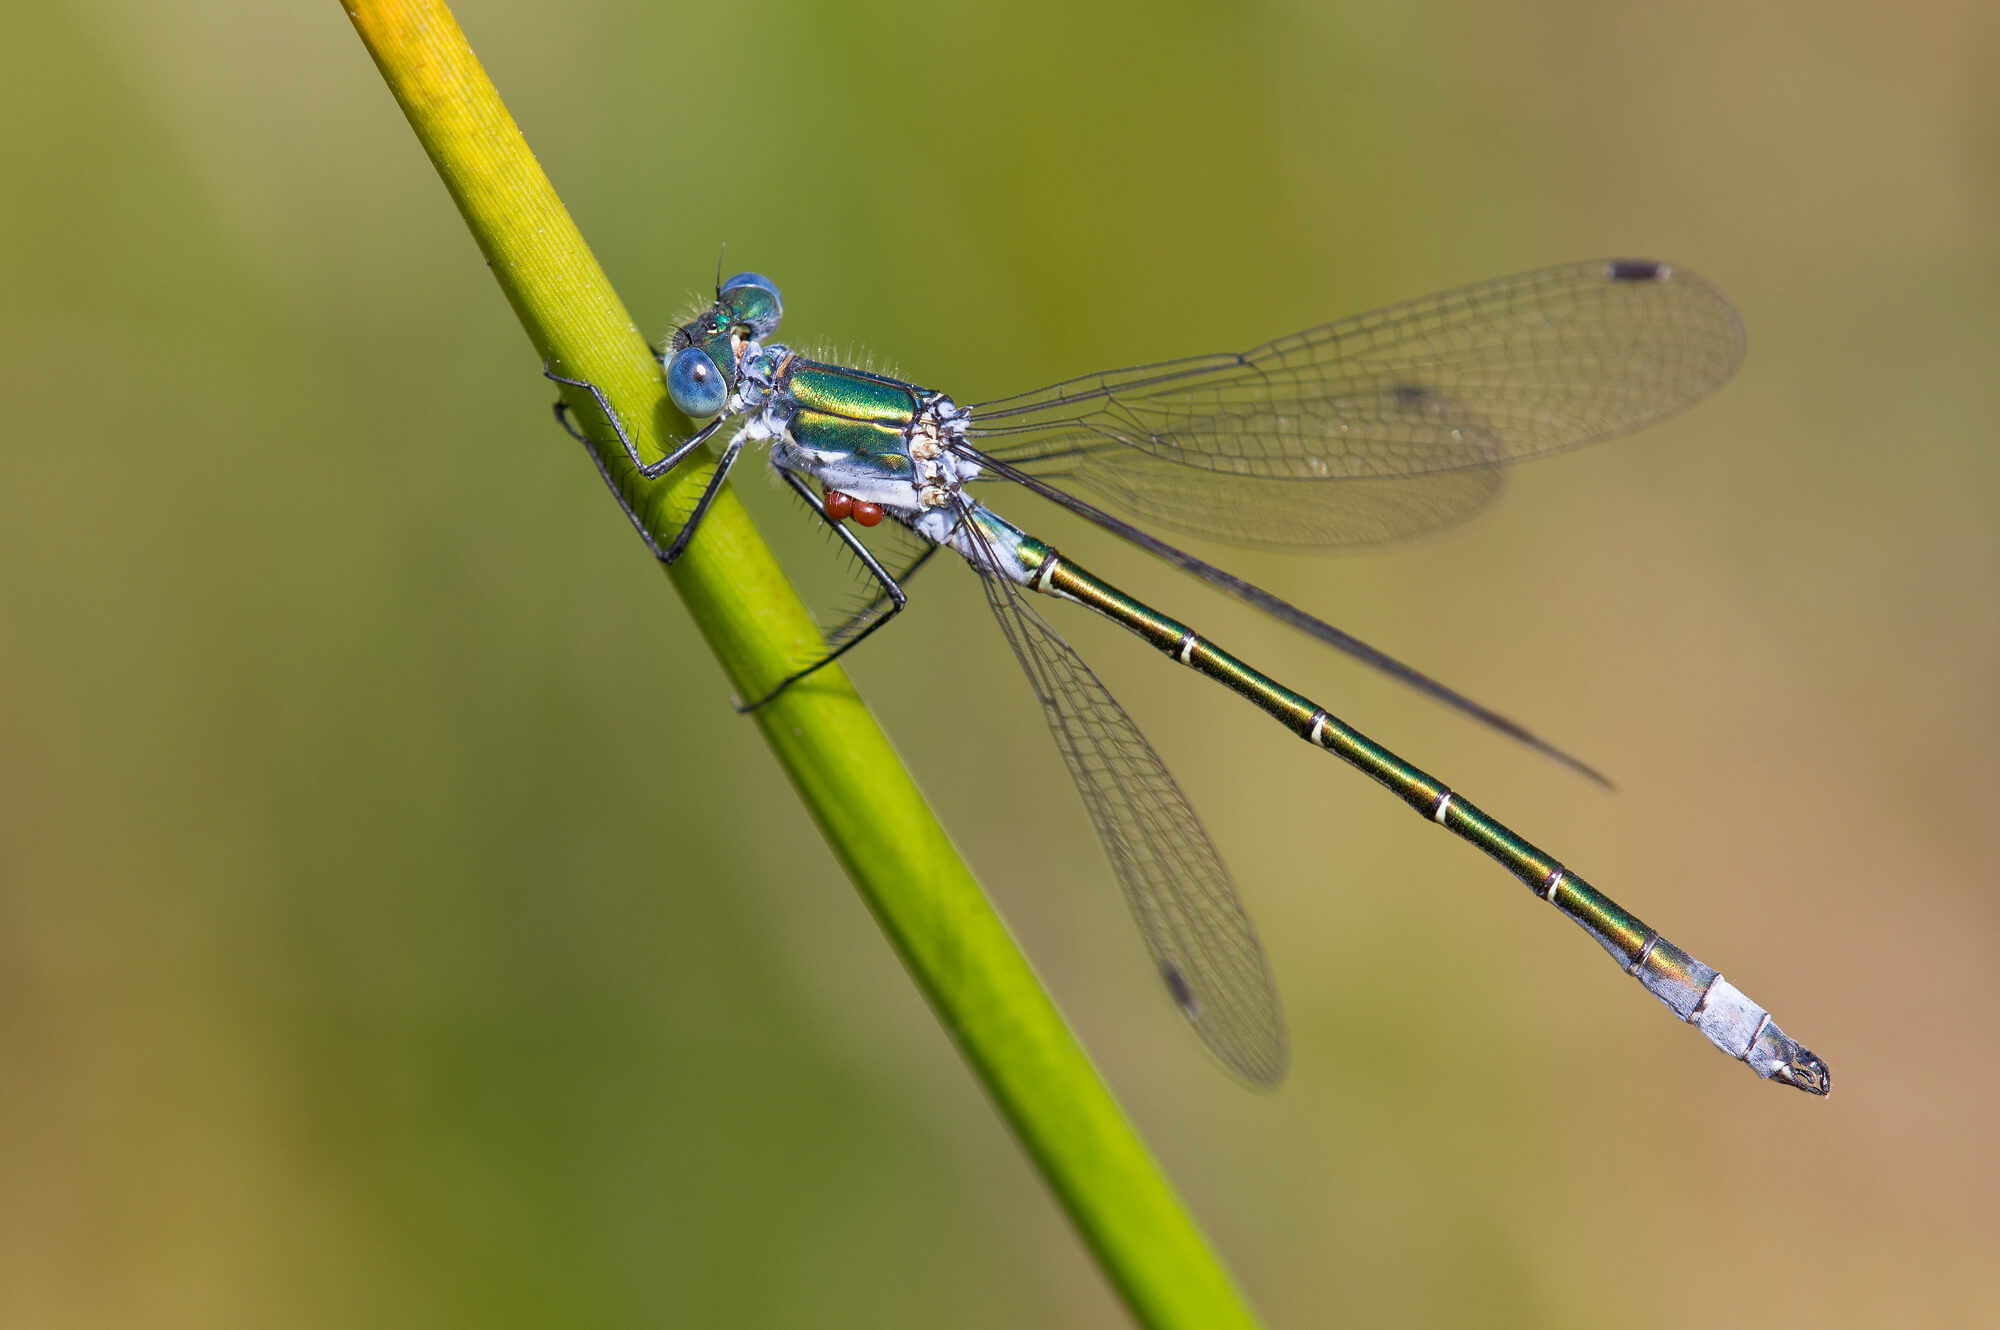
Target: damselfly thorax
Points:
(873, 439)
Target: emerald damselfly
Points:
(1371, 429)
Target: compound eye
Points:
(696, 385)
(752, 300)
(752, 279)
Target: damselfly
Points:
(1367, 430)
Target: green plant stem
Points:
(870, 811)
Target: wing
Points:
(1259, 512)
(1353, 427)
(1174, 881)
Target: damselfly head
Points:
(702, 358)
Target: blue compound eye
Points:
(696, 385)
(752, 299)
(752, 279)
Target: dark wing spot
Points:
(1411, 396)
(1637, 270)
(1177, 985)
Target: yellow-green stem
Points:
(870, 811)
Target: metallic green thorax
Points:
(850, 411)
(1693, 991)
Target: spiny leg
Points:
(672, 552)
(882, 614)
(708, 493)
(610, 482)
(652, 471)
(865, 614)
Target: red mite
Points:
(839, 506)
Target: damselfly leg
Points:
(653, 471)
(886, 604)
(650, 470)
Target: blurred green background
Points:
(397, 927)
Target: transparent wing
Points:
(1257, 512)
(1174, 881)
(1463, 382)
